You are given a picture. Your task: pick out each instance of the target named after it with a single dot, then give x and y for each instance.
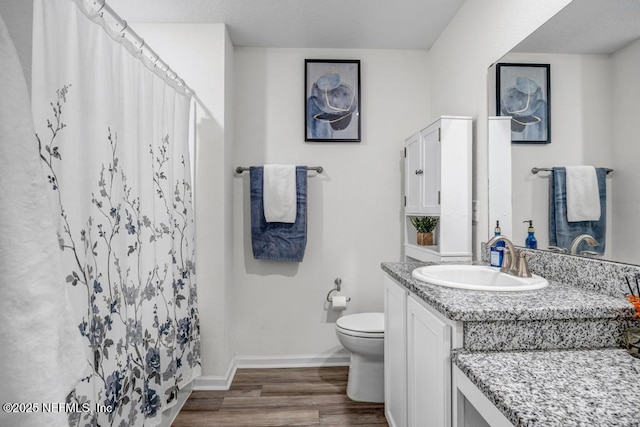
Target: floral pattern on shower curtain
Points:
(113, 141)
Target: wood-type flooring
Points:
(281, 397)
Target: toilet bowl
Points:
(363, 335)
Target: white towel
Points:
(41, 350)
(583, 196)
(279, 193)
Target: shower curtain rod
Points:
(118, 29)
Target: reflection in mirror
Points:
(593, 48)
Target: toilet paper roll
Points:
(339, 302)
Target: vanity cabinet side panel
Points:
(395, 365)
(474, 409)
(428, 367)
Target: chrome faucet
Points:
(576, 242)
(514, 263)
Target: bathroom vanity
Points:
(457, 357)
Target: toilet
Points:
(363, 335)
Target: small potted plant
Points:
(424, 226)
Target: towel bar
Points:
(318, 169)
(536, 170)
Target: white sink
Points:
(477, 277)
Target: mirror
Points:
(593, 48)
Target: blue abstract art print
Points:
(523, 91)
(332, 100)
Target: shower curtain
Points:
(112, 137)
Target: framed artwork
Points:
(523, 91)
(332, 100)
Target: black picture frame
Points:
(332, 100)
(523, 91)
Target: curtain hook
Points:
(124, 28)
(104, 3)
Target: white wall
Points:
(18, 17)
(203, 56)
(626, 154)
(261, 308)
(354, 218)
(481, 32)
(581, 133)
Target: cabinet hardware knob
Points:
(419, 172)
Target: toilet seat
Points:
(364, 325)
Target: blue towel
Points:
(277, 240)
(561, 231)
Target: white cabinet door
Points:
(422, 172)
(413, 174)
(428, 367)
(395, 385)
(430, 139)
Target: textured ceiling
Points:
(584, 26)
(354, 24)
(587, 27)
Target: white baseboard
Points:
(223, 382)
(294, 361)
(216, 382)
(169, 415)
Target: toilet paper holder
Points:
(338, 282)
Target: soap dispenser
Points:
(497, 250)
(531, 242)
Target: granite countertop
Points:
(556, 301)
(558, 388)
